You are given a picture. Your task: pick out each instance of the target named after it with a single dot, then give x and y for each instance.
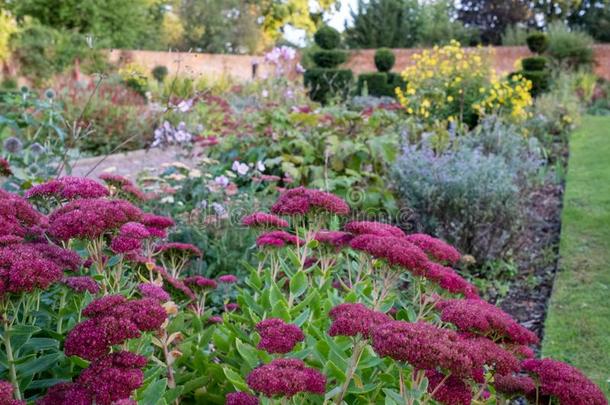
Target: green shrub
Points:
(537, 42)
(395, 80)
(540, 80)
(470, 194)
(384, 59)
(327, 37)
(324, 83)
(329, 58)
(569, 49)
(534, 63)
(160, 73)
(380, 84)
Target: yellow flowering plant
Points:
(135, 76)
(452, 84)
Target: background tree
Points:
(593, 17)
(492, 17)
(384, 23)
(439, 25)
(554, 10)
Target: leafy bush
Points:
(569, 49)
(534, 63)
(134, 76)
(448, 84)
(470, 194)
(329, 58)
(113, 118)
(540, 80)
(327, 37)
(537, 42)
(384, 59)
(324, 83)
(160, 73)
(514, 35)
(8, 27)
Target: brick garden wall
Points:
(239, 67)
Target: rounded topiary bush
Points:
(160, 73)
(324, 83)
(540, 80)
(329, 58)
(537, 42)
(384, 59)
(327, 37)
(534, 63)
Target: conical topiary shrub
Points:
(534, 68)
(325, 81)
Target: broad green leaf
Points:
(298, 284)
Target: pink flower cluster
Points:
(241, 398)
(156, 225)
(227, 279)
(427, 347)
(68, 188)
(335, 239)
(286, 377)
(439, 250)
(515, 385)
(27, 266)
(6, 394)
(373, 228)
(150, 290)
(200, 282)
(278, 239)
(129, 238)
(18, 219)
(278, 336)
(264, 220)
(124, 186)
(184, 250)
(91, 218)
(66, 393)
(112, 320)
(80, 284)
(113, 377)
(301, 201)
(396, 251)
(355, 319)
(448, 391)
(563, 382)
(478, 316)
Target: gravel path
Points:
(129, 164)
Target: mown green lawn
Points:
(577, 328)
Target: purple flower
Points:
(278, 336)
(278, 239)
(394, 250)
(335, 239)
(68, 188)
(449, 280)
(200, 282)
(262, 219)
(80, 284)
(6, 394)
(66, 393)
(184, 250)
(122, 244)
(353, 319)
(439, 250)
(227, 279)
(241, 398)
(286, 377)
(300, 201)
(113, 377)
(373, 228)
(453, 391)
(150, 290)
(214, 319)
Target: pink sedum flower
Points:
(150, 290)
(439, 250)
(113, 377)
(395, 251)
(200, 282)
(68, 188)
(6, 394)
(278, 239)
(373, 228)
(278, 336)
(241, 398)
(564, 382)
(81, 284)
(449, 280)
(453, 391)
(227, 279)
(334, 239)
(66, 393)
(426, 347)
(286, 378)
(301, 201)
(355, 319)
(214, 320)
(264, 220)
(515, 385)
(478, 316)
(179, 249)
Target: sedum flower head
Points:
(264, 220)
(66, 393)
(278, 239)
(301, 201)
(278, 336)
(80, 284)
(436, 248)
(355, 319)
(68, 188)
(150, 290)
(453, 391)
(286, 378)
(241, 398)
(373, 228)
(395, 251)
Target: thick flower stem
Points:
(11, 360)
(355, 359)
